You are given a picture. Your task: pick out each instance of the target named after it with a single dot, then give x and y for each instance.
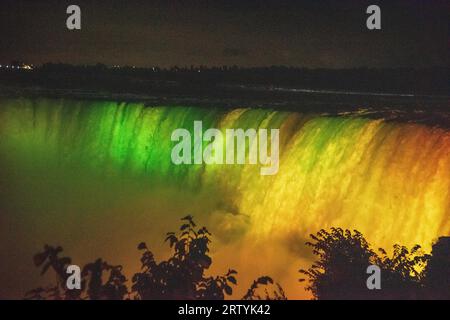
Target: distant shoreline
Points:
(421, 109)
(400, 81)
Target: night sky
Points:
(327, 34)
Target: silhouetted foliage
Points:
(92, 285)
(182, 276)
(49, 259)
(340, 271)
(343, 258)
(437, 271)
(253, 293)
(113, 289)
(402, 274)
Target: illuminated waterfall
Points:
(389, 180)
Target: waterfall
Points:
(387, 179)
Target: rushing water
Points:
(79, 170)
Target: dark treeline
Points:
(339, 272)
(431, 81)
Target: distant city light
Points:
(22, 66)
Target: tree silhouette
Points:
(92, 286)
(49, 259)
(182, 275)
(339, 272)
(343, 258)
(402, 274)
(437, 271)
(113, 289)
(253, 293)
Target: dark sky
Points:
(330, 34)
